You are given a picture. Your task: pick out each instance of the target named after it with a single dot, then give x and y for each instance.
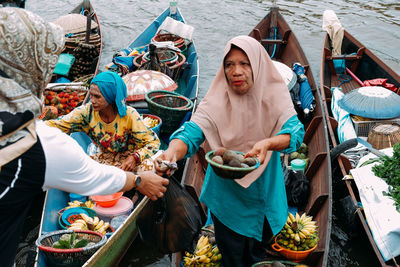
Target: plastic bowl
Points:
(66, 213)
(227, 171)
(107, 200)
(296, 256)
(156, 128)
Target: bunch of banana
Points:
(299, 233)
(89, 223)
(74, 204)
(204, 255)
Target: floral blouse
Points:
(120, 135)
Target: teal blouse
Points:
(243, 209)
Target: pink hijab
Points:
(237, 122)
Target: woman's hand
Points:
(275, 143)
(161, 169)
(152, 185)
(259, 150)
(128, 164)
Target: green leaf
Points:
(72, 239)
(64, 244)
(81, 243)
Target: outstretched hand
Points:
(259, 150)
(128, 164)
(161, 168)
(152, 185)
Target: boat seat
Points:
(282, 42)
(355, 58)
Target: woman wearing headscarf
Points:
(247, 108)
(112, 126)
(34, 156)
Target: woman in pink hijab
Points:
(247, 108)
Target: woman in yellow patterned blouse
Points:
(112, 126)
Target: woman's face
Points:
(98, 100)
(238, 71)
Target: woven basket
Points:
(178, 41)
(170, 107)
(175, 66)
(69, 257)
(384, 135)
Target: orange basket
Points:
(296, 256)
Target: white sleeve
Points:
(70, 169)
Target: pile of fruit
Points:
(150, 122)
(205, 254)
(64, 100)
(74, 204)
(231, 158)
(89, 223)
(299, 233)
(301, 153)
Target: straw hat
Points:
(74, 23)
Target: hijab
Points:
(29, 49)
(237, 122)
(113, 88)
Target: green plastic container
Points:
(64, 64)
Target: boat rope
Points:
(343, 77)
(275, 29)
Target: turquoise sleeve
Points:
(295, 128)
(192, 135)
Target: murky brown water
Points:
(375, 23)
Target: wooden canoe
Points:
(77, 75)
(319, 205)
(365, 65)
(113, 251)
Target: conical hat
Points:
(140, 82)
(74, 23)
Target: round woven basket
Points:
(69, 257)
(175, 65)
(170, 107)
(178, 41)
(384, 135)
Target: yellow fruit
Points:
(292, 218)
(99, 225)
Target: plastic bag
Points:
(172, 222)
(297, 188)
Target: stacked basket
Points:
(170, 107)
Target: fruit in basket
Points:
(89, 223)
(204, 253)
(299, 233)
(64, 100)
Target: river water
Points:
(376, 23)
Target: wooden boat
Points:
(112, 252)
(365, 65)
(289, 51)
(86, 46)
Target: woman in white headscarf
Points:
(247, 108)
(34, 156)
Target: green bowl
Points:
(229, 172)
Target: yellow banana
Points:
(99, 225)
(307, 219)
(96, 220)
(204, 250)
(297, 217)
(215, 250)
(202, 259)
(302, 236)
(292, 218)
(302, 218)
(306, 232)
(80, 221)
(296, 237)
(85, 217)
(103, 229)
